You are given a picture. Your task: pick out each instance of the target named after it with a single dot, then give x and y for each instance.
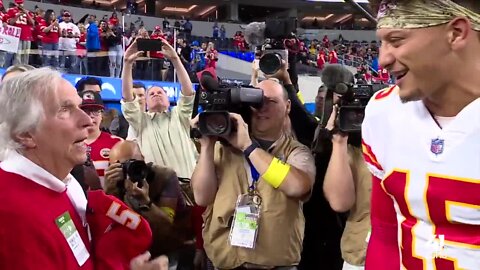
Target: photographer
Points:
(267, 170)
(156, 196)
(163, 134)
(347, 187)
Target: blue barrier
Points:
(112, 87)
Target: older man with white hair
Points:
(43, 210)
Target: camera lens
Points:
(270, 63)
(136, 170)
(214, 123)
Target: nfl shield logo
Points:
(437, 146)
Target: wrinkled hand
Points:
(113, 175)
(239, 139)
(167, 50)
(132, 53)
(205, 141)
(337, 137)
(141, 194)
(141, 262)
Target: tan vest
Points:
(353, 243)
(281, 225)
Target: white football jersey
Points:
(433, 176)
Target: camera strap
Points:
(253, 177)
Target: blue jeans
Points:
(50, 54)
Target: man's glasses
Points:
(93, 112)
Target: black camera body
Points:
(352, 107)
(218, 100)
(280, 42)
(137, 170)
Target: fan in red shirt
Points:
(212, 56)
(114, 19)
(321, 60)
(333, 57)
(50, 39)
(98, 143)
(383, 75)
(20, 17)
(157, 34)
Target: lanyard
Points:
(255, 176)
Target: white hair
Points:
(22, 102)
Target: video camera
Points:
(136, 171)
(352, 107)
(353, 97)
(218, 100)
(276, 39)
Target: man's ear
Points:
(459, 31)
(289, 106)
(26, 140)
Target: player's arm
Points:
(383, 249)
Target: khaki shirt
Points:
(164, 138)
(281, 224)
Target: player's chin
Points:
(409, 94)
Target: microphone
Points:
(254, 33)
(208, 82)
(337, 78)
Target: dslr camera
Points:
(354, 99)
(217, 100)
(136, 171)
(280, 41)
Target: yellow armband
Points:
(169, 212)
(276, 172)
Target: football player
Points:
(421, 139)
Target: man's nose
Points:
(386, 57)
(85, 119)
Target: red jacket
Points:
(30, 236)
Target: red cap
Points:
(157, 28)
(19, 2)
(67, 14)
(118, 233)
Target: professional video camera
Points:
(354, 98)
(218, 100)
(136, 171)
(276, 39)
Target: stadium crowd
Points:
(265, 185)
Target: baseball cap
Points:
(157, 28)
(91, 100)
(67, 14)
(19, 1)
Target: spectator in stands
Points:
(212, 56)
(51, 36)
(114, 19)
(164, 135)
(333, 56)
(187, 28)
(115, 49)
(321, 59)
(165, 24)
(98, 142)
(103, 56)
(68, 43)
(185, 54)
(141, 65)
(223, 32)
(82, 50)
(156, 56)
(20, 17)
(37, 36)
(239, 41)
(93, 46)
(347, 187)
(217, 185)
(216, 30)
